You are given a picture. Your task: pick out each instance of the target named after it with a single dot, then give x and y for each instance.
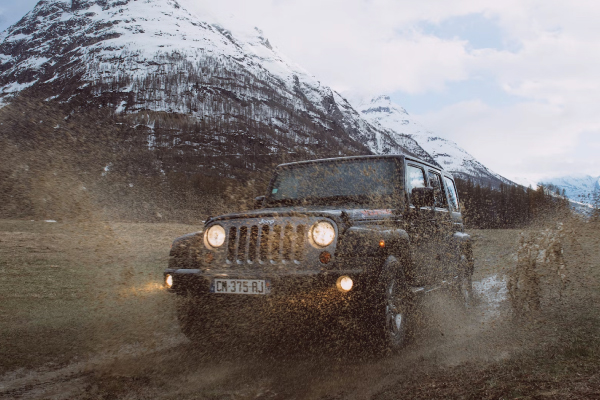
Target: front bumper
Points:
(316, 291)
(197, 282)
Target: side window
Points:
(415, 177)
(435, 180)
(452, 196)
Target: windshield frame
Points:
(338, 200)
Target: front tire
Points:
(190, 321)
(396, 316)
(198, 321)
(392, 316)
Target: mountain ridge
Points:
(194, 90)
(381, 111)
(579, 188)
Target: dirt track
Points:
(108, 330)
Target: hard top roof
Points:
(410, 158)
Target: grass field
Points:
(71, 290)
(83, 315)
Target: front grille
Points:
(266, 243)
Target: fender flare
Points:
(364, 241)
(392, 268)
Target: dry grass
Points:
(70, 290)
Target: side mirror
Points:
(258, 202)
(423, 197)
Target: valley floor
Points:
(83, 315)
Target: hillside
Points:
(236, 96)
(151, 93)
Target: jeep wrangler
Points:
(372, 233)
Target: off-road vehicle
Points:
(365, 236)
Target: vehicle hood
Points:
(335, 213)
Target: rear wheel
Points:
(463, 291)
(463, 285)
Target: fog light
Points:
(169, 280)
(344, 283)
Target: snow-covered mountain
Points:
(579, 188)
(393, 119)
(196, 93)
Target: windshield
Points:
(365, 182)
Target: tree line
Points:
(510, 206)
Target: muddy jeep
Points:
(357, 237)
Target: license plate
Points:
(240, 286)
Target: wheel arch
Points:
(393, 267)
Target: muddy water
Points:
(303, 362)
(303, 366)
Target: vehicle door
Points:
(442, 226)
(420, 226)
(453, 205)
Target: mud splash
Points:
(129, 371)
(492, 293)
(459, 354)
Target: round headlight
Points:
(322, 233)
(215, 236)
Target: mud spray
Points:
(533, 294)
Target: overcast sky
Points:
(515, 83)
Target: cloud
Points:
(479, 30)
(532, 49)
(516, 83)
(527, 140)
(365, 46)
